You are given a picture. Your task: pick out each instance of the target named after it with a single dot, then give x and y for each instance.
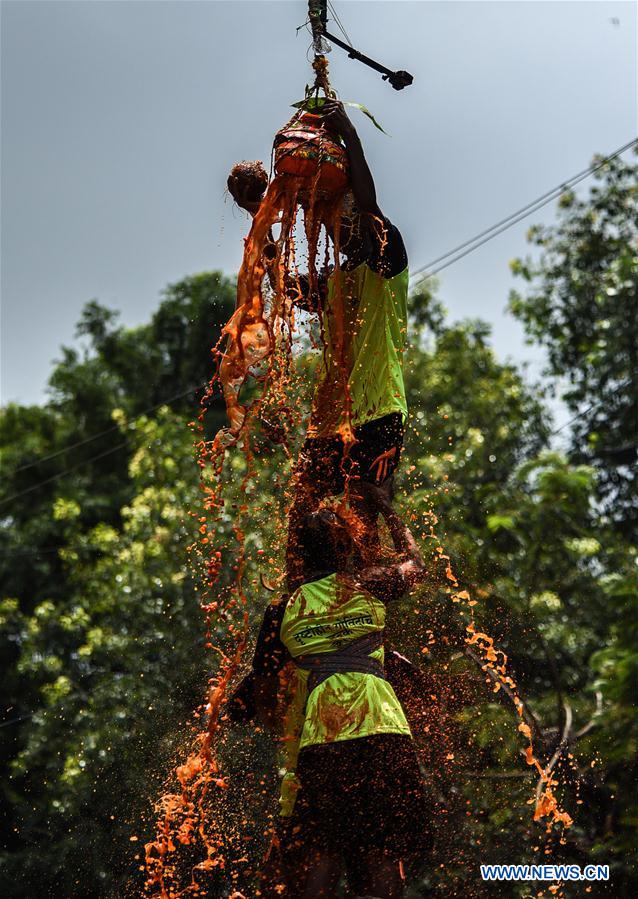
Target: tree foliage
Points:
(582, 304)
(81, 489)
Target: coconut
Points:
(247, 182)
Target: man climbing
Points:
(351, 795)
(359, 406)
(360, 391)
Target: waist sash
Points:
(354, 657)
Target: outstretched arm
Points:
(392, 581)
(241, 186)
(257, 694)
(413, 568)
(389, 257)
(361, 178)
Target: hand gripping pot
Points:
(306, 148)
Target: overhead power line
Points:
(16, 720)
(592, 406)
(70, 446)
(468, 246)
(61, 474)
(338, 22)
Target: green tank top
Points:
(369, 334)
(320, 617)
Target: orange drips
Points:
(193, 816)
(259, 333)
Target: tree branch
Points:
(528, 716)
(564, 742)
(568, 738)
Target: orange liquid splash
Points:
(201, 823)
(258, 332)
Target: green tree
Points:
(103, 638)
(116, 662)
(70, 454)
(527, 538)
(581, 303)
(73, 444)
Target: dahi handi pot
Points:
(306, 148)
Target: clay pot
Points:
(307, 149)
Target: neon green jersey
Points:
(365, 327)
(321, 617)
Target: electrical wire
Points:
(61, 474)
(16, 720)
(66, 449)
(494, 230)
(589, 408)
(338, 23)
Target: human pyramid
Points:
(351, 794)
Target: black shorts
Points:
(358, 796)
(374, 457)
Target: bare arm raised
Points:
(361, 179)
(394, 580)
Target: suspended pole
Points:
(318, 15)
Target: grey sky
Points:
(120, 121)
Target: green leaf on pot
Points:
(310, 103)
(366, 112)
(315, 104)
